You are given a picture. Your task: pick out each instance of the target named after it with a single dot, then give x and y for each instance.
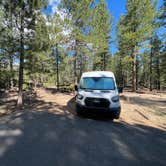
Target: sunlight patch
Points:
(6, 133)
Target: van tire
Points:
(116, 117)
(78, 110)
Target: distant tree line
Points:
(141, 58)
(41, 49)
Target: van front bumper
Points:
(114, 112)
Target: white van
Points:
(97, 91)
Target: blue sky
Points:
(116, 8)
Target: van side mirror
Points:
(120, 89)
(76, 87)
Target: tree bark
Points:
(134, 81)
(75, 69)
(57, 67)
(75, 65)
(11, 71)
(137, 68)
(104, 62)
(11, 53)
(81, 65)
(158, 73)
(21, 66)
(150, 68)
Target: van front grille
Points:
(97, 102)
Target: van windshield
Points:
(97, 83)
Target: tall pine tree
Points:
(137, 30)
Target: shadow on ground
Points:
(47, 134)
(158, 105)
(61, 90)
(38, 104)
(7, 102)
(33, 138)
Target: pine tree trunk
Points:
(11, 56)
(121, 79)
(81, 65)
(158, 74)
(21, 66)
(75, 65)
(134, 81)
(137, 65)
(150, 68)
(11, 71)
(57, 66)
(20, 82)
(104, 62)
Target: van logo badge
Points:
(97, 101)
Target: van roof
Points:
(98, 74)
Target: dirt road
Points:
(48, 133)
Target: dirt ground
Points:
(146, 109)
(47, 132)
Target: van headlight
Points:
(115, 99)
(80, 97)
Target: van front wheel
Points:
(78, 110)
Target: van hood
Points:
(98, 93)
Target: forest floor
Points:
(144, 108)
(47, 131)
(147, 109)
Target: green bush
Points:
(4, 79)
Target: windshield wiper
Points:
(105, 91)
(88, 90)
